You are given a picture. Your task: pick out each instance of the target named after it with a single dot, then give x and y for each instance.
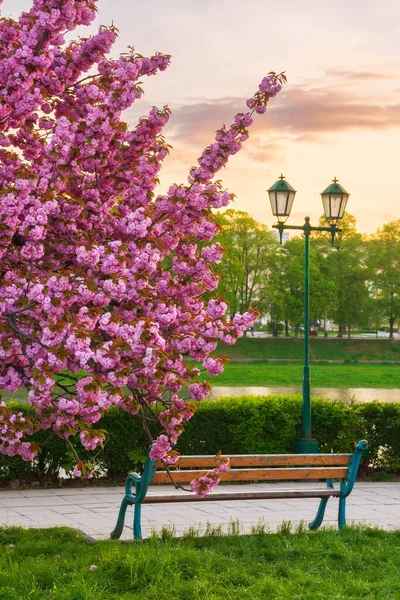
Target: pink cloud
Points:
(305, 114)
(332, 110)
(195, 124)
(360, 75)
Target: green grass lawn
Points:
(55, 564)
(322, 375)
(320, 349)
(290, 374)
(263, 374)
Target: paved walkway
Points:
(94, 510)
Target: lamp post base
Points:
(306, 446)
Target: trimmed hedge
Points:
(240, 425)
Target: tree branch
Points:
(20, 310)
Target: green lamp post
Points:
(334, 200)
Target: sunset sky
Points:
(339, 114)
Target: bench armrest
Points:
(346, 485)
(141, 482)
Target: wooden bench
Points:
(266, 467)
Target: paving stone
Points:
(95, 510)
(94, 491)
(17, 521)
(17, 502)
(38, 493)
(10, 494)
(6, 513)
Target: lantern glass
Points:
(272, 199)
(282, 204)
(281, 201)
(334, 205)
(290, 202)
(334, 200)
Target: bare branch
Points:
(12, 324)
(72, 448)
(20, 310)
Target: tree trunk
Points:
(391, 327)
(349, 332)
(340, 331)
(286, 328)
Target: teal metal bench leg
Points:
(321, 509)
(346, 486)
(116, 533)
(136, 498)
(137, 530)
(320, 514)
(342, 513)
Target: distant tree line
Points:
(355, 284)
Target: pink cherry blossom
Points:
(100, 272)
(160, 448)
(205, 484)
(214, 366)
(199, 391)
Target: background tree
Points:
(323, 286)
(292, 282)
(84, 240)
(384, 261)
(275, 293)
(289, 280)
(248, 261)
(348, 268)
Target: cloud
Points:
(300, 112)
(361, 75)
(331, 110)
(310, 112)
(195, 124)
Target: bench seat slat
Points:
(263, 460)
(237, 495)
(258, 474)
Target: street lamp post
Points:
(334, 200)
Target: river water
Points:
(343, 394)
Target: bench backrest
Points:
(267, 467)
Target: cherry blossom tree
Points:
(101, 279)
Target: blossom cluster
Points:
(99, 273)
(268, 88)
(206, 483)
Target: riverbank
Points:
(323, 375)
(276, 374)
(391, 395)
(320, 349)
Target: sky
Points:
(338, 115)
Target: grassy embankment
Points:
(322, 375)
(350, 374)
(259, 373)
(58, 564)
(320, 349)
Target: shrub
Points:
(240, 425)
